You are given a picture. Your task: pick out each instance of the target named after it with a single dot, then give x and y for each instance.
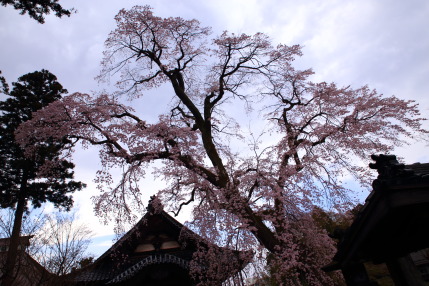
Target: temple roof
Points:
(23, 240)
(157, 239)
(29, 271)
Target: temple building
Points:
(391, 228)
(28, 272)
(158, 250)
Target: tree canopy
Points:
(37, 9)
(39, 177)
(30, 93)
(246, 189)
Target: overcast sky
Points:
(382, 43)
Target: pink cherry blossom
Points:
(252, 200)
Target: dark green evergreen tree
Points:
(23, 177)
(36, 9)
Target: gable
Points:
(157, 250)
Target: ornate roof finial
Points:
(389, 169)
(155, 205)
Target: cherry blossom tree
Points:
(246, 190)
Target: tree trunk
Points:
(264, 235)
(12, 254)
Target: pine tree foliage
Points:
(30, 93)
(37, 9)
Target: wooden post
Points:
(355, 275)
(404, 272)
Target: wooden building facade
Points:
(393, 223)
(157, 251)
